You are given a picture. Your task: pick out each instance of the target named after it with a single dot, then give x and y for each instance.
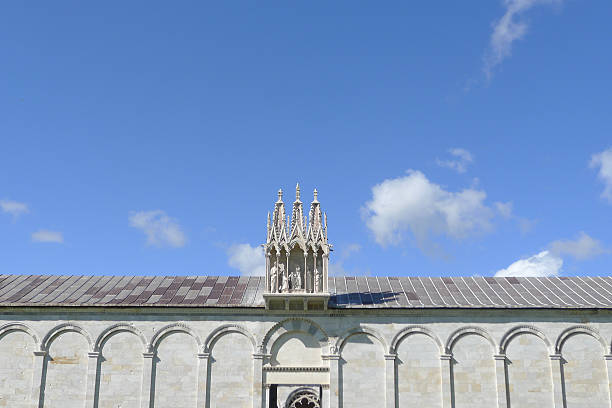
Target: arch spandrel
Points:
(514, 332)
(120, 327)
(62, 328)
(412, 330)
(174, 328)
(226, 329)
(294, 324)
(466, 331)
(341, 341)
(16, 326)
(574, 330)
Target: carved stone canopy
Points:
(297, 254)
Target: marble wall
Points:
(212, 359)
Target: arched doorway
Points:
(303, 398)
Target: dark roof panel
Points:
(345, 292)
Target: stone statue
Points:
(296, 279)
(273, 279)
(318, 280)
(284, 284)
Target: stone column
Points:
(325, 396)
(334, 381)
(38, 378)
(556, 366)
(325, 272)
(446, 370)
(92, 373)
(608, 358)
(147, 373)
(502, 382)
(268, 274)
(390, 381)
(306, 282)
(258, 397)
(203, 364)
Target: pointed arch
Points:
(174, 328)
(571, 331)
(359, 330)
(16, 326)
(408, 331)
(121, 327)
(62, 328)
(299, 324)
(225, 329)
(464, 331)
(524, 329)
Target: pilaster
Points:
(502, 381)
(390, 381)
(325, 397)
(147, 374)
(556, 367)
(92, 373)
(608, 358)
(258, 395)
(38, 377)
(334, 381)
(446, 371)
(203, 366)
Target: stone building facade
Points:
(248, 342)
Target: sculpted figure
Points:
(284, 284)
(318, 280)
(273, 279)
(296, 279)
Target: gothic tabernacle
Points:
(298, 338)
(297, 256)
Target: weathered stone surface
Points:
(185, 357)
(362, 372)
(528, 367)
(121, 368)
(66, 371)
(418, 372)
(16, 369)
(176, 371)
(231, 372)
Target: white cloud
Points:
(48, 236)
(413, 203)
(583, 247)
(603, 161)
(250, 261)
(160, 229)
(550, 261)
(509, 28)
(461, 159)
(14, 208)
(504, 209)
(543, 264)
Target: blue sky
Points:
(445, 138)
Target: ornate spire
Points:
(298, 228)
(278, 230)
(316, 229)
(297, 252)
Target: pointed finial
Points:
(268, 220)
(316, 196)
(297, 192)
(280, 195)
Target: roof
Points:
(346, 292)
